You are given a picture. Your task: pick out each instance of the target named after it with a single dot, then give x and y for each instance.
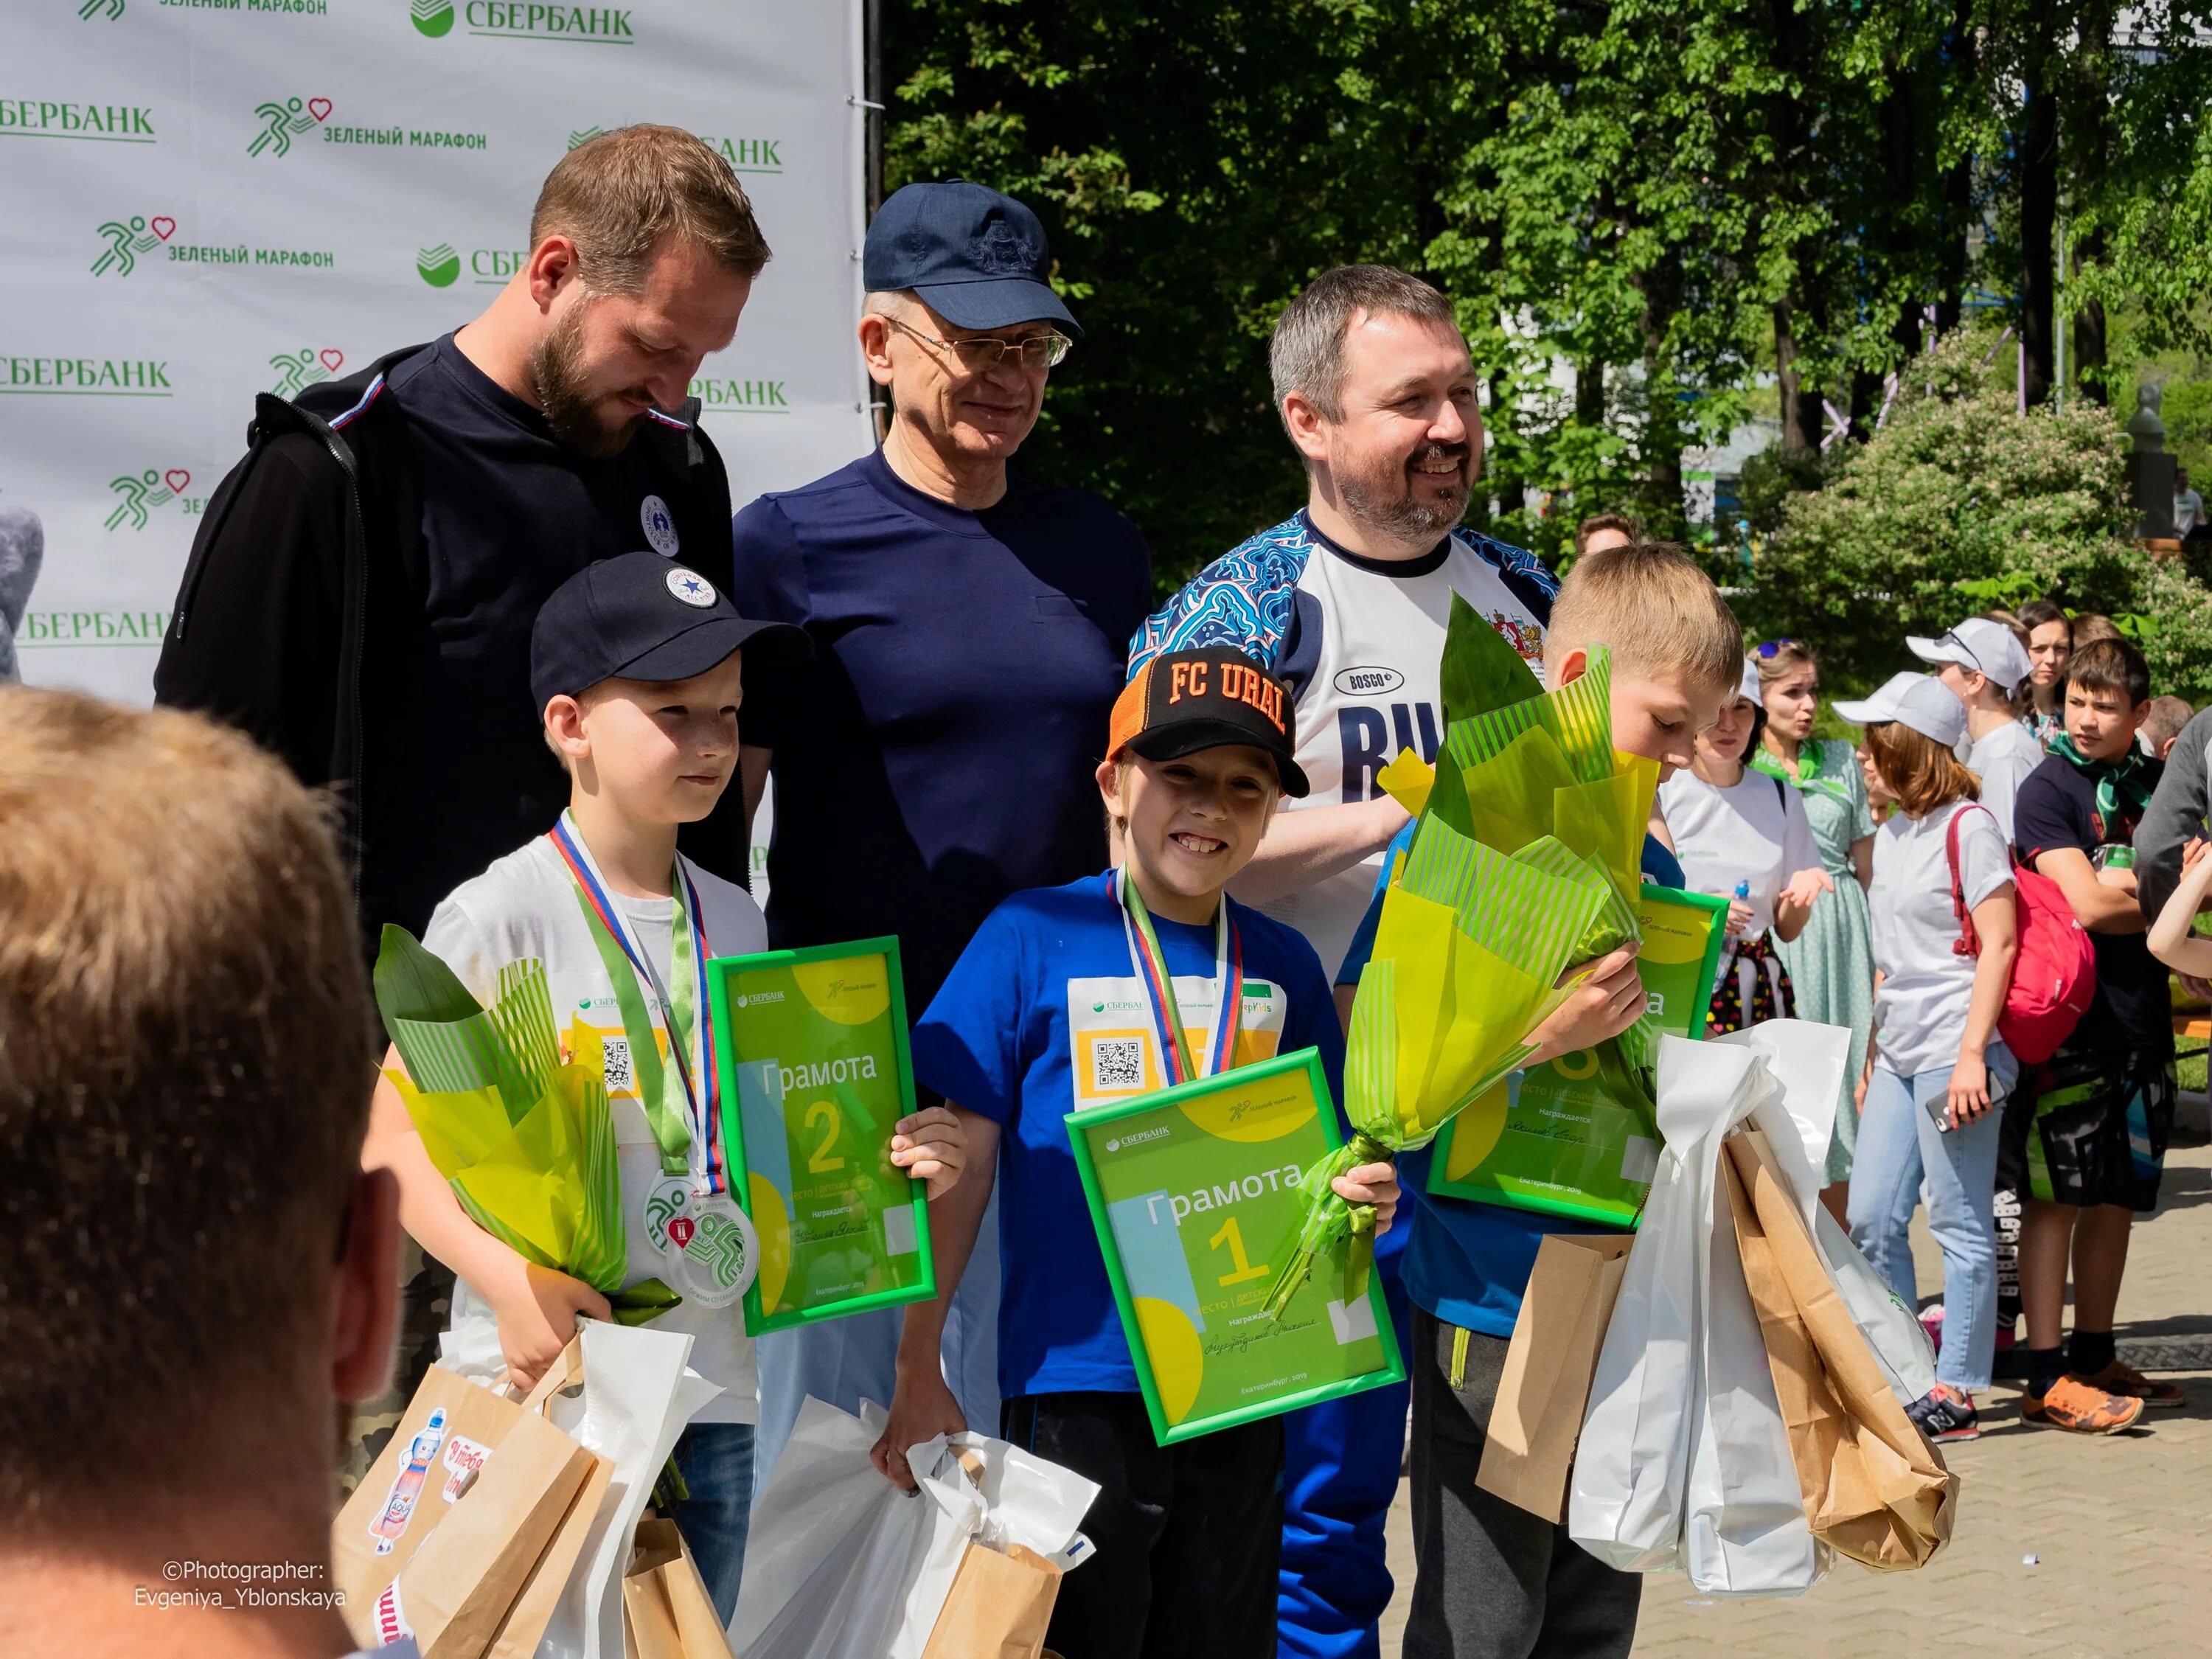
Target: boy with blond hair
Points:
(1490, 1577)
(638, 666)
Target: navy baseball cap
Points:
(975, 258)
(640, 616)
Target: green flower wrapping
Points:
(1524, 860)
(525, 1141)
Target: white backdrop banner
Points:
(205, 199)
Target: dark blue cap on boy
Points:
(641, 616)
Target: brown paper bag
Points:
(668, 1612)
(1530, 1451)
(486, 1477)
(1874, 1488)
(524, 1626)
(1000, 1607)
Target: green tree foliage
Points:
(1959, 503)
(1653, 216)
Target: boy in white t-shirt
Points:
(638, 666)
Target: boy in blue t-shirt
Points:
(1054, 1006)
(1494, 1578)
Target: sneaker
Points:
(2075, 1406)
(1946, 1413)
(2126, 1380)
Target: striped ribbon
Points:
(1150, 963)
(691, 1039)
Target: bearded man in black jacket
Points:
(361, 593)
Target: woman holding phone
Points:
(1940, 1069)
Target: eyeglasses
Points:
(984, 353)
(1772, 648)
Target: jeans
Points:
(716, 1462)
(1899, 1145)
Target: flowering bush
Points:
(1959, 499)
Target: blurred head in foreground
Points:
(195, 1276)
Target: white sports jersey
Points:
(1358, 641)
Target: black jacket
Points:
(301, 619)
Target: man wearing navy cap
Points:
(937, 752)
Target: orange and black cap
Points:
(1182, 701)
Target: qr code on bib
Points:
(619, 1077)
(1117, 1064)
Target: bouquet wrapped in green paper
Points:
(525, 1141)
(1524, 860)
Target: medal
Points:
(709, 1251)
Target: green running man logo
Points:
(438, 265)
(297, 370)
(281, 122)
(126, 241)
(430, 17)
(719, 1246)
(149, 489)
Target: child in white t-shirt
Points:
(638, 667)
(1742, 834)
(1983, 664)
(1940, 1069)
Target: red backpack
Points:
(2054, 978)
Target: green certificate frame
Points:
(1571, 1138)
(1225, 1152)
(812, 1052)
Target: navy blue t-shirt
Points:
(938, 752)
(1039, 1017)
(507, 514)
(2056, 809)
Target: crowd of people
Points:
(489, 598)
(1890, 887)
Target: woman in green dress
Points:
(1830, 964)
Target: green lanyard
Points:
(666, 1090)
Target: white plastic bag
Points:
(1684, 1459)
(1633, 1462)
(637, 1398)
(842, 1565)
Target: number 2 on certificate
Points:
(824, 1112)
(1243, 1270)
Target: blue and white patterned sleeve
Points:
(1246, 598)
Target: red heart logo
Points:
(331, 358)
(176, 477)
(681, 1230)
(165, 226)
(320, 108)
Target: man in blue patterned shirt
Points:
(1347, 601)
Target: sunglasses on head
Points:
(1772, 647)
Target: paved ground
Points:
(2119, 1528)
